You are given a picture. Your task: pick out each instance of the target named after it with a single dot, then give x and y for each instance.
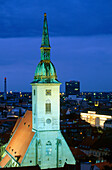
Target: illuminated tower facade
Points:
(37, 138)
(52, 149)
(45, 89)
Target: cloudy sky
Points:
(80, 36)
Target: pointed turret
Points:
(45, 71)
(45, 46)
(45, 36)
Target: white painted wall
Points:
(38, 106)
(44, 160)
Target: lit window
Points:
(48, 148)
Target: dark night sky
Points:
(80, 35)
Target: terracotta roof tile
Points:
(102, 164)
(77, 153)
(16, 125)
(22, 137)
(88, 141)
(4, 161)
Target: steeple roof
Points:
(45, 71)
(45, 35)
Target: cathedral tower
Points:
(36, 137)
(52, 148)
(45, 89)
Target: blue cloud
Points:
(87, 59)
(24, 18)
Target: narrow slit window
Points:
(34, 92)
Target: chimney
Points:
(5, 89)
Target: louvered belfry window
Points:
(48, 107)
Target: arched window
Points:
(34, 92)
(48, 106)
(48, 148)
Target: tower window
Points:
(34, 120)
(34, 92)
(60, 162)
(34, 109)
(48, 148)
(39, 162)
(48, 92)
(48, 107)
(48, 121)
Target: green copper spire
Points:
(45, 35)
(45, 46)
(45, 71)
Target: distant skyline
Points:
(80, 37)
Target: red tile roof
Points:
(102, 164)
(4, 161)
(22, 137)
(16, 125)
(88, 141)
(7, 120)
(77, 153)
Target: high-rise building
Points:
(72, 88)
(37, 138)
(5, 89)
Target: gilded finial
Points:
(45, 14)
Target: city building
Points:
(101, 166)
(72, 88)
(108, 123)
(95, 119)
(37, 139)
(75, 129)
(95, 146)
(6, 127)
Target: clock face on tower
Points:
(48, 92)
